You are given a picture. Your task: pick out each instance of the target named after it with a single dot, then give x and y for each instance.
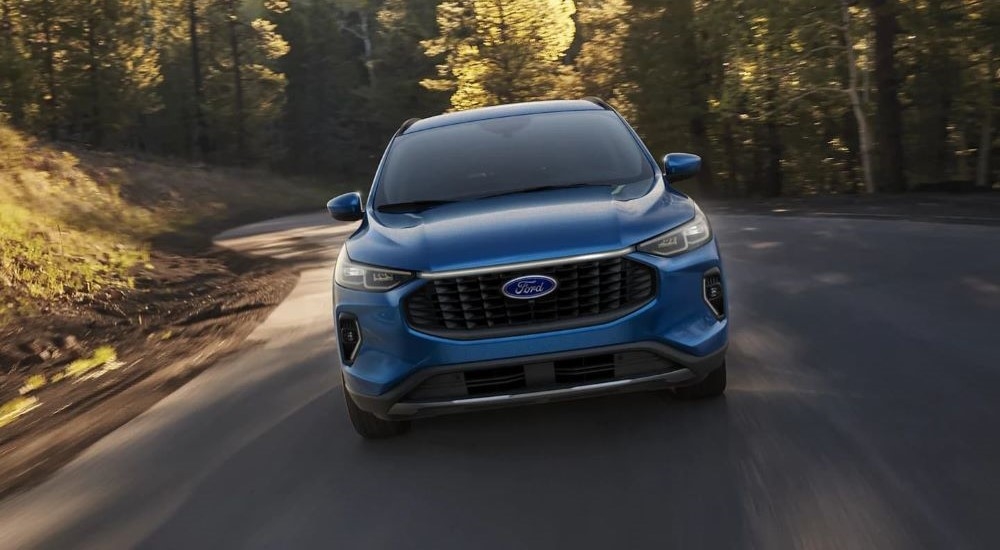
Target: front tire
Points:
(713, 385)
(370, 426)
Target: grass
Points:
(14, 408)
(103, 360)
(80, 367)
(73, 222)
(33, 383)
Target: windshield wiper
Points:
(412, 206)
(420, 206)
(541, 188)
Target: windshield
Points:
(512, 154)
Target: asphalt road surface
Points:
(863, 412)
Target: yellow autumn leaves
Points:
(501, 51)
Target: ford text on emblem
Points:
(529, 287)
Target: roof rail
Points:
(407, 124)
(599, 102)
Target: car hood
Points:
(516, 228)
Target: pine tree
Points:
(17, 78)
(501, 51)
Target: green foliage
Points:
(602, 29)
(778, 96)
(321, 112)
(58, 227)
(101, 356)
(34, 262)
(500, 51)
(74, 222)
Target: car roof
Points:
(501, 111)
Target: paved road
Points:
(863, 412)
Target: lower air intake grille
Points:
(585, 369)
(518, 378)
(496, 380)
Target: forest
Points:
(780, 97)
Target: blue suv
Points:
(522, 254)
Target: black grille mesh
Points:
(588, 368)
(586, 292)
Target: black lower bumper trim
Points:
(679, 369)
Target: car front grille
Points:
(588, 293)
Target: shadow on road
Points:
(501, 477)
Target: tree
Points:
(501, 51)
(670, 92)
(232, 28)
(778, 96)
(401, 27)
(318, 124)
(984, 175)
(602, 31)
(854, 92)
(43, 19)
(243, 53)
(197, 80)
(16, 75)
(110, 75)
(889, 130)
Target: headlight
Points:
(365, 277)
(682, 239)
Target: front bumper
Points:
(677, 326)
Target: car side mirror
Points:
(347, 207)
(680, 166)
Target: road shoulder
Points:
(78, 373)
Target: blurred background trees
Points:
(779, 96)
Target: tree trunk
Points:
(889, 117)
(729, 187)
(49, 66)
(234, 52)
(200, 125)
(757, 187)
(864, 132)
(699, 135)
(774, 175)
(97, 116)
(984, 172)
(699, 71)
(12, 72)
(936, 84)
(366, 41)
(148, 33)
(6, 26)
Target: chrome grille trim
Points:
(525, 265)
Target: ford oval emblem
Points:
(529, 287)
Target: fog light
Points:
(349, 335)
(714, 293)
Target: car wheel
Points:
(712, 385)
(370, 426)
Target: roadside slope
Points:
(108, 283)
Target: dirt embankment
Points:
(87, 369)
(111, 295)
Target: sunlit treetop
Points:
(500, 51)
